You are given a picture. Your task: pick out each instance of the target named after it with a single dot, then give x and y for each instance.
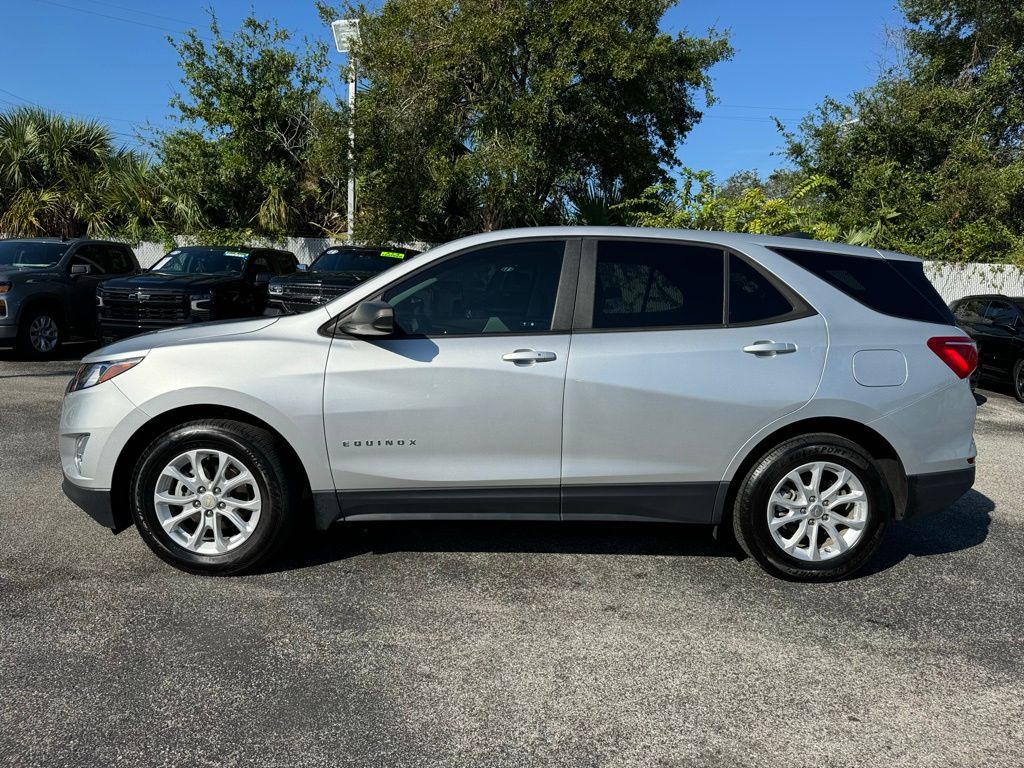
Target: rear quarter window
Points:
(893, 287)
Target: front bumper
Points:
(935, 491)
(112, 330)
(97, 504)
(8, 333)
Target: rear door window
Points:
(642, 284)
(1000, 313)
(893, 287)
(752, 297)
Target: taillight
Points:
(958, 352)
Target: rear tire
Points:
(40, 333)
(1018, 380)
(815, 508)
(214, 496)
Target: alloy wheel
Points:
(43, 333)
(207, 501)
(818, 511)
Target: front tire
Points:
(213, 497)
(1018, 380)
(40, 334)
(815, 508)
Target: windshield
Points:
(356, 260)
(25, 253)
(202, 261)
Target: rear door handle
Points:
(770, 348)
(528, 357)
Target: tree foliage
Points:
(62, 176)
(495, 113)
(260, 148)
(930, 159)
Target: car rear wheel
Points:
(1018, 379)
(813, 509)
(39, 334)
(213, 496)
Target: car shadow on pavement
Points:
(345, 540)
(961, 526)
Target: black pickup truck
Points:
(332, 273)
(191, 285)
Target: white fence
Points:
(953, 281)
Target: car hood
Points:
(16, 274)
(187, 334)
(159, 280)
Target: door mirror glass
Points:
(80, 269)
(370, 318)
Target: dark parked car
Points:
(191, 285)
(996, 323)
(48, 289)
(331, 274)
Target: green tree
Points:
(698, 203)
(930, 159)
(494, 113)
(260, 148)
(63, 177)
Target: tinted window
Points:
(101, 258)
(358, 260)
(1000, 313)
(504, 289)
(970, 311)
(284, 263)
(892, 287)
(202, 261)
(655, 285)
(21, 253)
(751, 296)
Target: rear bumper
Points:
(97, 505)
(934, 492)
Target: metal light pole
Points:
(346, 32)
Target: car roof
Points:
(1001, 296)
(724, 239)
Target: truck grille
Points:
(159, 306)
(312, 293)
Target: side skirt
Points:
(672, 502)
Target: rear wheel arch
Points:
(144, 435)
(884, 454)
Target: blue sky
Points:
(109, 59)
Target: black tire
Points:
(259, 450)
(975, 378)
(1018, 380)
(27, 346)
(750, 512)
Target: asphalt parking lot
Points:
(504, 644)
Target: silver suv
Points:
(801, 394)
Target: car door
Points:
(1000, 342)
(459, 413)
(664, 386)
(81, 307)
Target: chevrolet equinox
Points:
(802, 394)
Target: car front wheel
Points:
(39, 334)
(1018, 380)
(213, 496)
(815, 508)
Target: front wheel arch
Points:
(120, 491)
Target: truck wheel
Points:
(213, 496)
(815, 508)
(39, 334)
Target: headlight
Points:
(276, 290)
(5, 286)
(91, 374)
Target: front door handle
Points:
(770, 348)
(528, 357)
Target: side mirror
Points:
(370, 318)
(80, 269)
(303, 267)
(262, 278)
